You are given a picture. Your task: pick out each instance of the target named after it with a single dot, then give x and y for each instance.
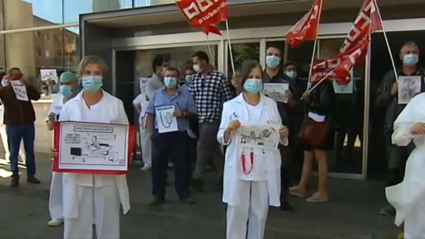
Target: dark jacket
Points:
(322, 100)
(16, 111)
(384, 100)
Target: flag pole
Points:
(230, 48)
(210, 50)
(386, 40)
(311, 62)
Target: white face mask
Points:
(197, 68)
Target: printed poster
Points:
(258, 135)
(20, 90)
(49, 74)
(166, 122)
(92, 146)
(276, 91)
(408, 87)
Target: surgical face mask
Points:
(66, 90)
(189, 78)
(4, 82)
(170, 82)
(92, 83)
(253, 86)
(292, 74)
(197, 68)
(410, 59)
(272, 62)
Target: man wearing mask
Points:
(387, 97)
(274, 74)
(209, 90)
(19, 118)
(170, 144)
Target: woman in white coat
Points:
(87, 197)
(250, 185)
(68, 89)
(408, 197)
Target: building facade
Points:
(56, 33)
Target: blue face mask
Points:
(189, 78)
(272, 62)
(4, 82)
(410, 60)
(253, 86)
(292, 74)
(66, 91)
(170, 82)
(92, 83)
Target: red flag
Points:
(204, 13)
(375, 18)
(306, 28)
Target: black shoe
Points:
(188, 201)
(15, 182)
(388, 210)
(33, 180)
(157, 201)
(287, 208)
(198, 185)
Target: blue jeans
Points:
(16, 133)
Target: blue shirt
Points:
(182, 100)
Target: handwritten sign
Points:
(20, 90)
(49, 74)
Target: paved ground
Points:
(351, 214)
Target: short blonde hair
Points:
(92, 60)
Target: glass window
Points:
(72, 8)
(146, 3)
(302, 56)
(348, 115)
(241, 53)
(31, 53)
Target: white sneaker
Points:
(146, 168)
(55, 222)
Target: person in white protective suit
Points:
(87, 197)
(68, 89)
(251, 175)
(408, 197)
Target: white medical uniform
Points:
(408, 197)
(55, 197)
(88, 198)
(248, 196)
(145, 141)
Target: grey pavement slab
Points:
(352, 212)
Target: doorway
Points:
(380, 65)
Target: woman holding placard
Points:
(68, 89)
(88, 197)
(251, 175)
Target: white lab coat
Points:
(408, 197)
(145, 142)
(94, 197)
(55, 196)
(242, 195)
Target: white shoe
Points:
(146, 168)
(55, 222)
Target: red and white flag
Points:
(204, 13)
(354, 48)
(306, 28)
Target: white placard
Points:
(165, 120)
(49, 74)
(20, 90)
(258, 135)
(408, 87)
(276, 91)
(92, 146)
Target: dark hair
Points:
(189, 68)
(174, 69)
(10, 71)
(275, 47)
(157, 61)
(409, 43)
(290, 63)
(201, 55)
(246, 69)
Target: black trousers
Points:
(192, 151)
(176, 146)
(285, 182)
